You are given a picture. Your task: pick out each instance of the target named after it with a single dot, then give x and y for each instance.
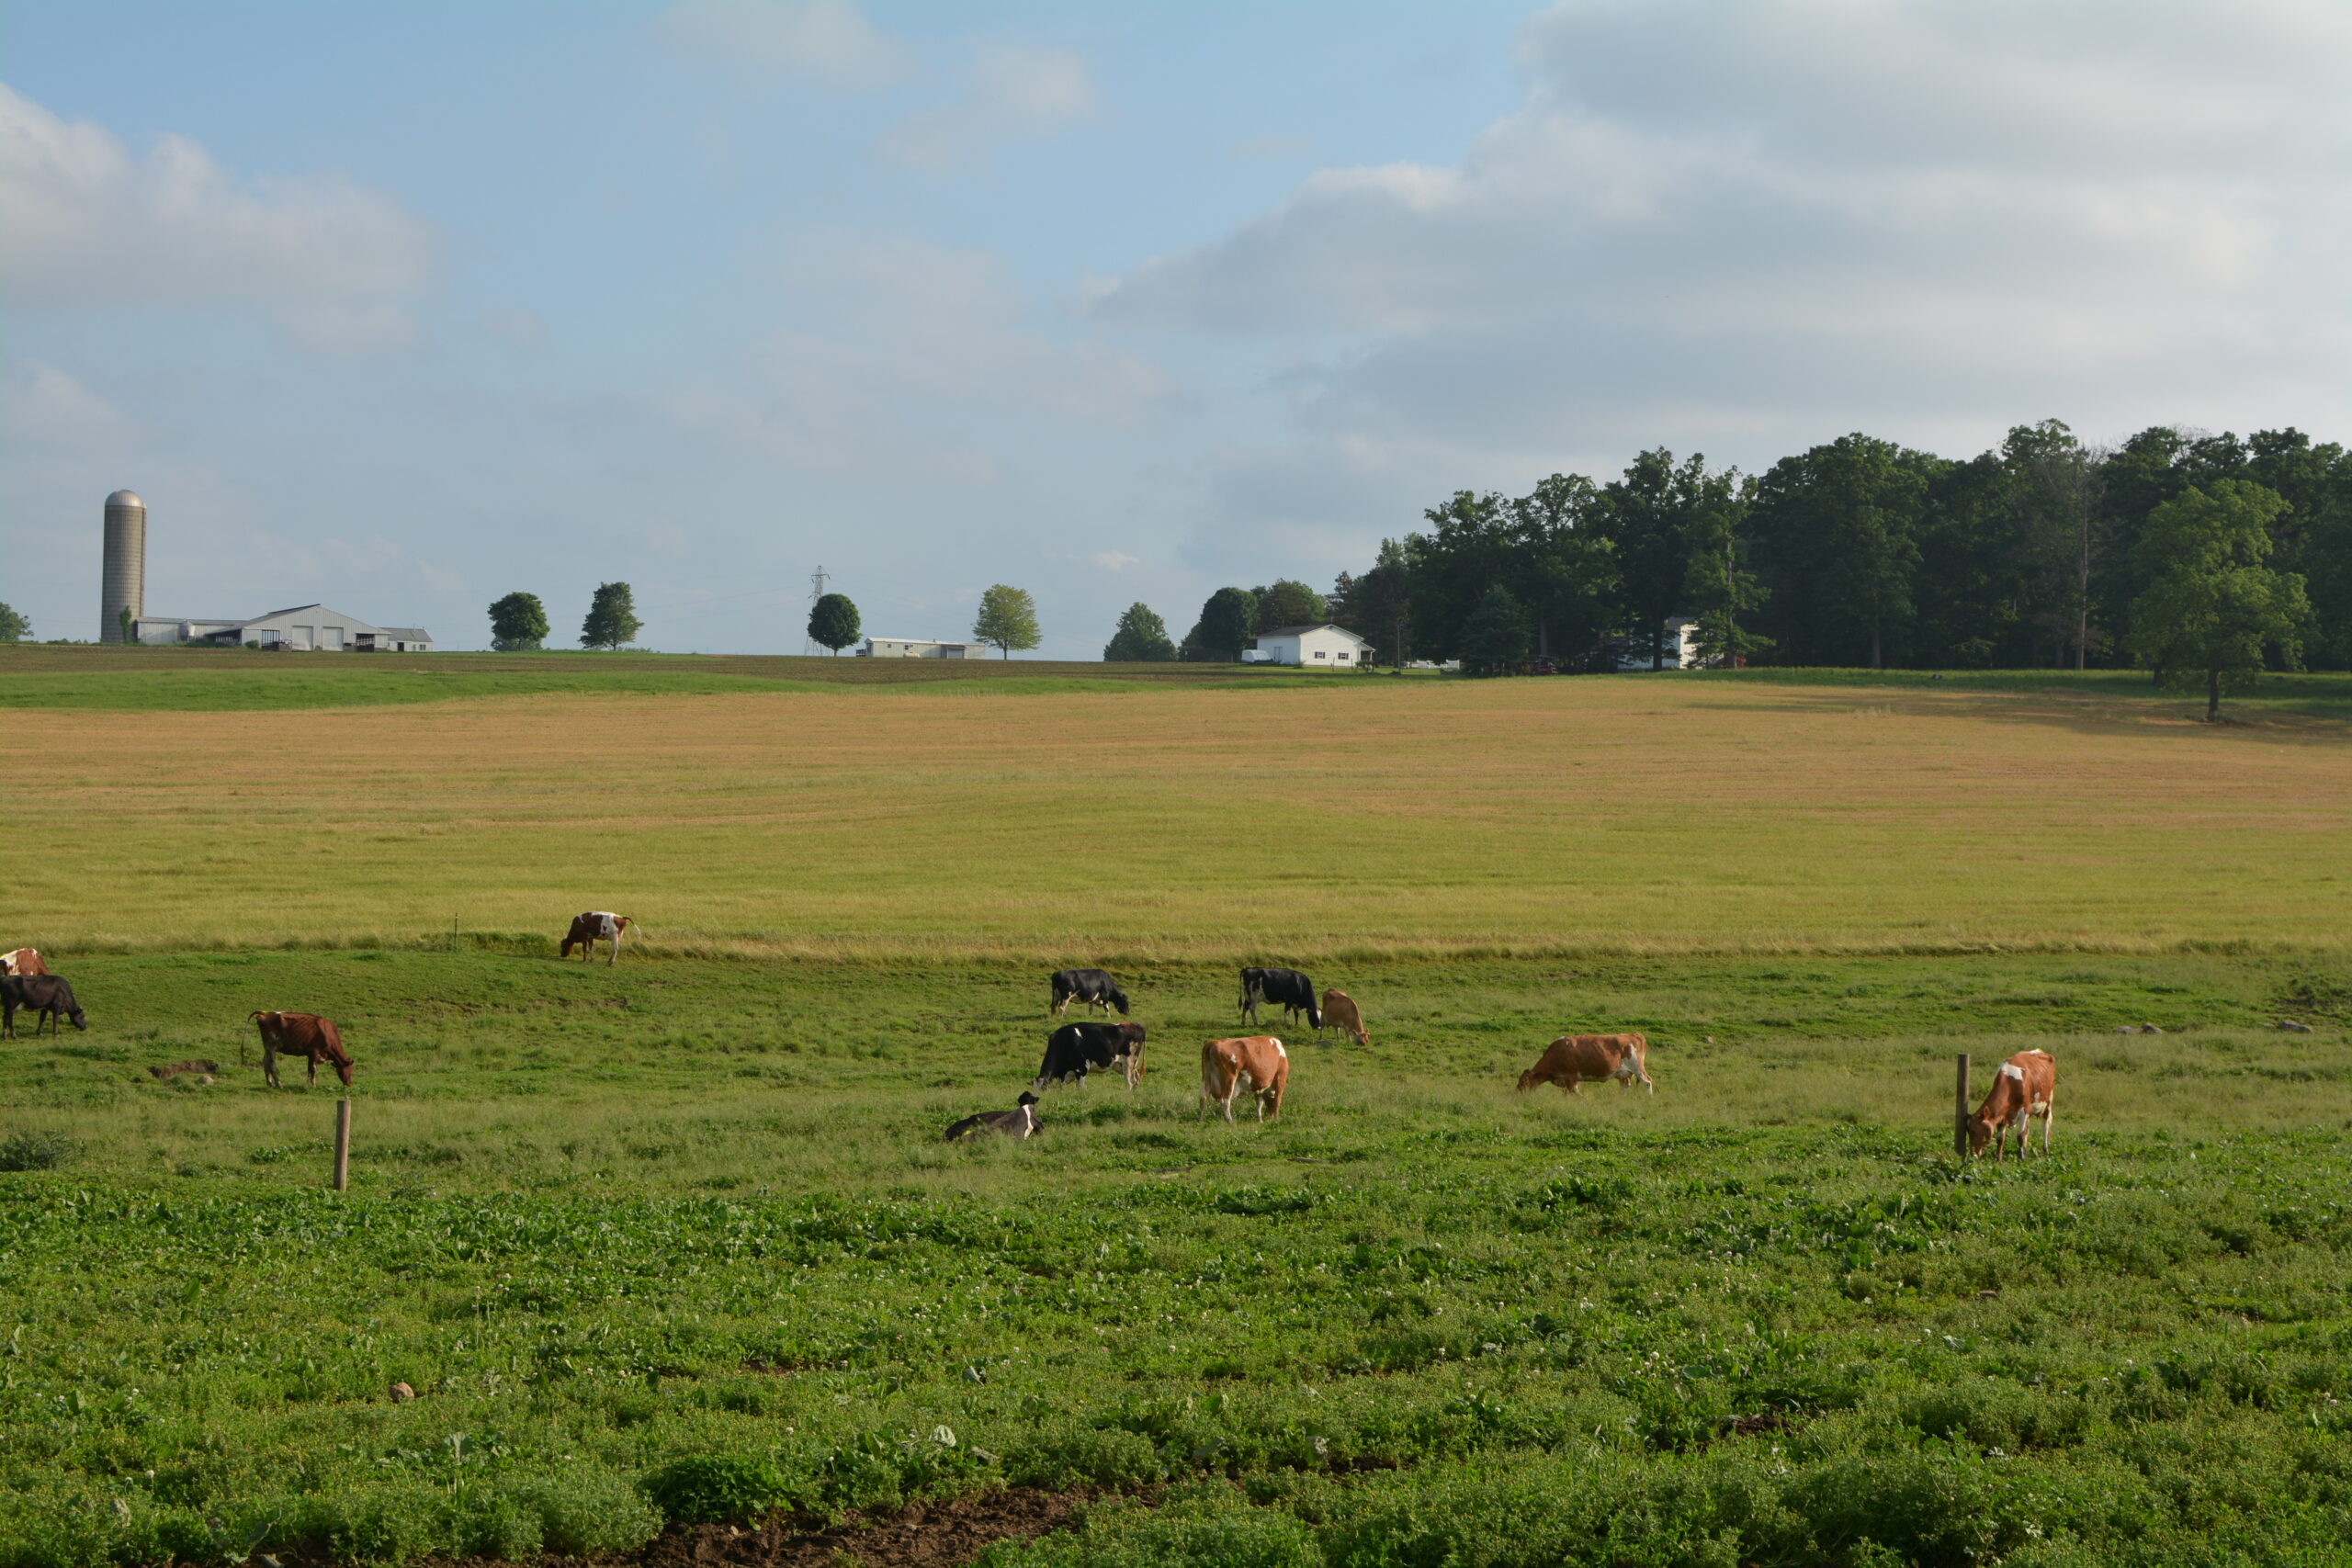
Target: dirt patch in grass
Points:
(935, 1534)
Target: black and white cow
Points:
(1018, 1123)
(1093, 987)
(1076, 1049)
(1294, 990)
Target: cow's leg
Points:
(311, 1060)
(269, 1064)
(2049, 1114)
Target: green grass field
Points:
(673, 1246)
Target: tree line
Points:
(2203, 558)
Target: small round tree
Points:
(612, 617)
(519, 624)
(1228, 620)
(1142, 637)
(1008, 619)
(833, 622)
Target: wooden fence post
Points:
(1960, 1108)
(342, 1143)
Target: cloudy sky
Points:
(406, 306)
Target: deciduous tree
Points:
(14, 628)
(2213, 609)
(519, 624)
(1495, 636)
(833, 623)
(1008, 620)
(1228, 620)
(1141, 637)
(612, 620)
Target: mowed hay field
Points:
(679, 1270)
(1563, 814)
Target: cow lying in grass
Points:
(2023, 1088)
(47, 995)
(1076, 1049)
(1340, 1012)
(1018, 1123)
(588, 929)
(1573, 1059)
(303, 1035)
(1255, 1062)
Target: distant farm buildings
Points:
(1319, 646)
(305, 628)
(919, 648)
(1679, 642)
(123, 617)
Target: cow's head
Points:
(1119, 1000)
(1026, 1099)
(1529, 1079)
(1980, 1133)
(81, 1020)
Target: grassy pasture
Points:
(677, 1239)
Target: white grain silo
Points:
(123, 589)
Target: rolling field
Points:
(673, 1248)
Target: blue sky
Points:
(403, 307)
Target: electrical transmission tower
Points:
(817, 581)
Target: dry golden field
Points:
(1637, 814)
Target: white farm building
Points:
(920, 648)
(1319, 646)
(1680, 647)
(305, 628)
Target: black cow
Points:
(1294, 990)
(1075, 1049)
(1093, 987)
(1017, 1123)
(48, 995)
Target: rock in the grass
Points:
(2293, 1026)
(2150, 1029)
(403, 1393)
(204, 1079)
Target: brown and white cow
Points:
(303, 1035)
(2023, 1088)
(1255, 1061)
(1592, 1058)
(22, 961)
(588, 929)
(1340, 1011)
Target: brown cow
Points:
(303, 1035)
(22, 961)
(1340, 1011)
(2023, 1088)
(1257, 1060)
(1592, 1058)
(588, 929)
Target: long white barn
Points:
(307, 629)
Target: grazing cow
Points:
(1075, 1049)
(22, 961)
(1592, 1058)
(1294, 990)
(1093, 987)
(303, 1035)
(588, 929)
(1340, 1011)
(47, 995)
(2023, 1088)
(1018, 1123)
(1257, 1061)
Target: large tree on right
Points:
(2213, 612)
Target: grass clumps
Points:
(37, 1150)
(715, 1489)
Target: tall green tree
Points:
(1378, 606)
(519, 624)
(833, 622)
(1838, 528)
(1289, 603)
(612, 620)
(1007, 620)
(1654, 518)
(1717, 584)
(14, 628)
(1229, 621)
(2212, 610)
(1141, 637)
(1497, 636)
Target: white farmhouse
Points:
(307, 629)
(1682, 647)
(1319, 646)
(920, 648)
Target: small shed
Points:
(919, 648)
(1319, 646)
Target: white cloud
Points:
(1775, 220)
(1115, 560)
(84, 222)
(1012, 90)
(827, 38)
